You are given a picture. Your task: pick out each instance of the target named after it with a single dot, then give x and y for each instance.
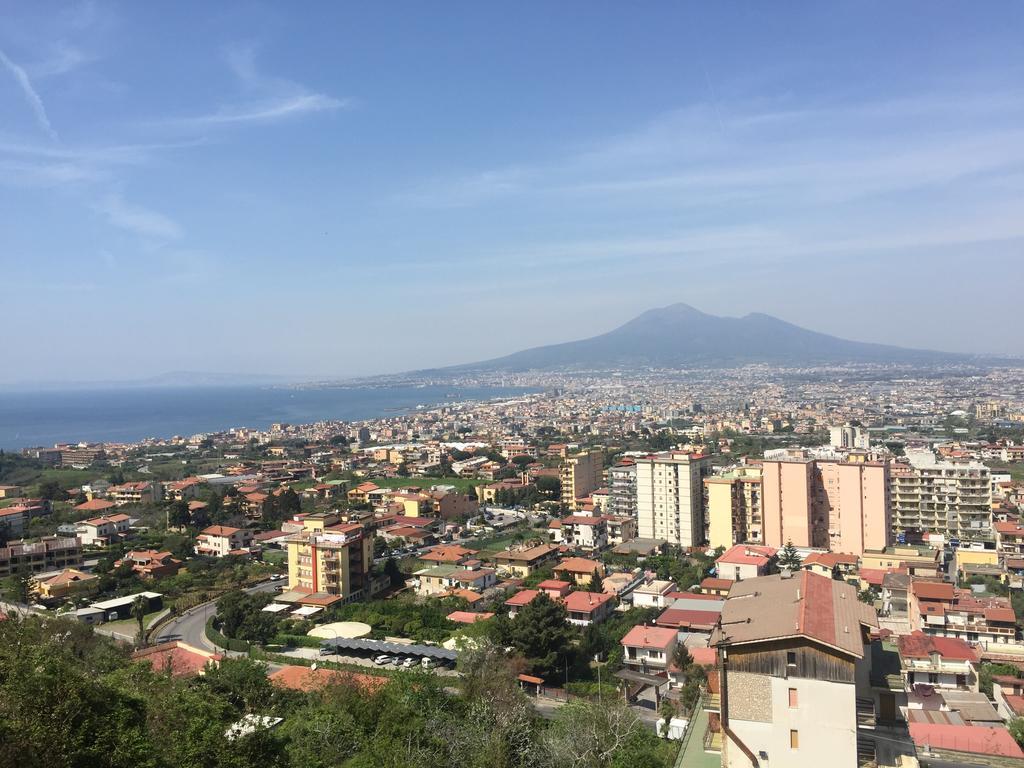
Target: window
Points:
(792, 698)
(790, 658)
(794, 739)
(933, 678)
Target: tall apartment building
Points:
(335, 561)
(734, 507)
(622, 489)
(839, 505)
(581, 474)
(847, 436)
(670, 497)
(949, 497)
(793, 669)
(50, 553)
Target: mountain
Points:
(681, 336)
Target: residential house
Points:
(940, 609)
(101, 531)
(649, 649)
(938, 662)
(580, 532)
(136, 494)
(578, 570)
(522, 563)
(745, 561)
(793, 663)
(64, 584)
(620, 529)
(447, 553)
(653, 593)
(829, 563)
(222, 540)
(177, 658)
(442, 579)
(150, 564)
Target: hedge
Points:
(221, 641)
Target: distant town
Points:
(761, 566)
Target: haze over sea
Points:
(128, 415)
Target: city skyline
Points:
(363, 191)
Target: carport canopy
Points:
(383, 646)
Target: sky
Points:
(342, 189)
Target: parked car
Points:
(409, 663)
(428, 663)
(383, 659)
(277, 577)
(327, 650)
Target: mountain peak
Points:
(680, 336)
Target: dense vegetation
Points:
(71, 698)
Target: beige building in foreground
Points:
(842, 506)
(793, 661)
(670, 497)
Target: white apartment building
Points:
(949, 497)
(670, 497)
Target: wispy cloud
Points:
(64, 58)
(35, 102)
(268, 99)
(137, 219)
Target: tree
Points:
(51, 490)
(789, 557)
(682, 657)
(596, 585)
(1016, 729)
(394, 572)
(542, 635)
(139, 605)
(588, 735)
(178, 515)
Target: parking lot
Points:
(367, 661)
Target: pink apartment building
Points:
(842, 506)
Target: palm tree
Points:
(139, 606)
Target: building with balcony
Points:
(953, 498)
(649, 649)
(942, 610)
(622, 489)
(939, 662)
(580, 532)
(670, 497)
(334, 562)
(223, 540)
(101, 531)
(50, 553)
(734, 507)
(580, 475)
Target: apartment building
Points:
(336, 561)
(1009, 539)
(223, 540)
(949, 497)
(51, 553)
(135, 494)
(942, 610)
(670, 497)
(622, 489)
(945, 663)
(580, 475)
(793, 663)
(848, 436)
(621, 528)
(446, 578)
(522, 563)
(745, 561)
(580, 532)
(838, 505)
(734, 507)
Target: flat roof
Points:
(384, 646)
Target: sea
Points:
(42, 418)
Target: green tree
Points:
(1016, 729)
(542, 635)
(789, 557)
(51, 490)
(139, 605)
(596, 584)
(178, 515)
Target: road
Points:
(190, 627)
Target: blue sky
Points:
(352, 189)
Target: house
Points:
(13, 521)
(522, 563)
(691, 614)
(447, 553)
(586, 608)
(361, 493)
(938, 662)
(1009, 538)
(95, 505)
(183, 490)
(441, 579)
(468, 617)
(938, 608)
(554, 588)
(717, 587)
(621, 528)
(222, 540)
(11, 491)
(307, 679)
(649, 648)
(101, 531)
(64, 584)
(1008, 693)
(150, 564)
(578, 570)
(745, 561)
(581, 532)
(653, 594)
(828, 563)
(792, 665)
(177, 658)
